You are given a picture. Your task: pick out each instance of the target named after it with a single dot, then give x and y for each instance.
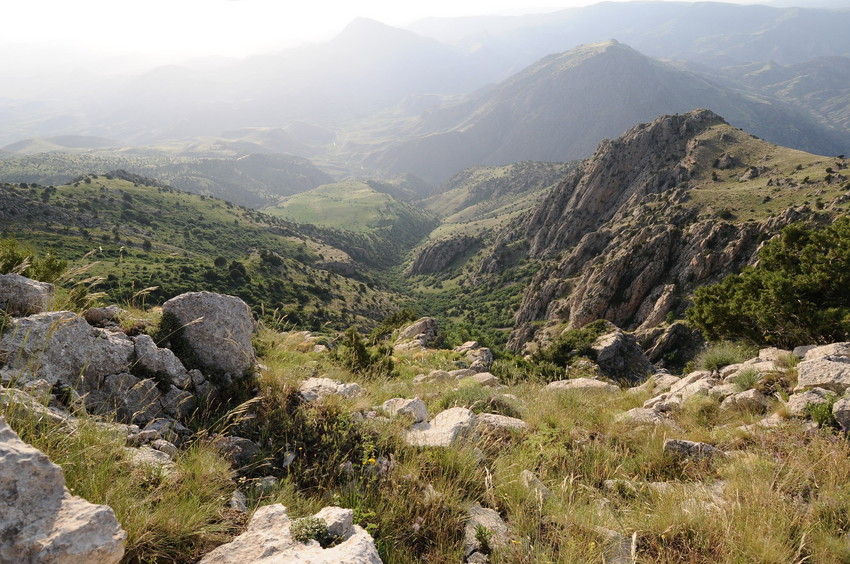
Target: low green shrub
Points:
(746, 379)
(718, 355)
(311, 528)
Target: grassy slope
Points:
(136, 236)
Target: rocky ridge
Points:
(620, 239)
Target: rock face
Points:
(439, 254)
(268, 541)
(604, 250)
(217, 329)
(414, 408)
(21, 296)
(40, 521)
(830, 373)
(61, 346)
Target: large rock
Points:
(689, 450)
(61, 346)
(21, 296)
(497, 425)
(619, 356)
(40, 521)
(216, 330)
(750, 400)
(834, 350)
(584, 384)
(483, 518)
(799, 404)
(841, 412)
(312, 389)
(152, 360)
(447, 428)
(420, 333)
(268, 541)
(823, 372)
(414, 408)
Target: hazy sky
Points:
(188, 28)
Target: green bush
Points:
(821, 413)
(798, 293)
(746, 379)
(24, 261)
(718, 355)
(311, 528)
(572, 344)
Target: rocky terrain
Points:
(65, 373)
(666, 207)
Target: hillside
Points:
(132, 234)
(356, 206)
(666, 207)
(247, 179)
(560, 107)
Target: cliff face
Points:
(630, 234)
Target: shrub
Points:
(798, 293)
(311, 528)
(722, 354)
(572, 344)
(746, 379)
(821, 413)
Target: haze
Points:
(52, 35)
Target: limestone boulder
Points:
(40, 521)
(479, 517)
(445, 429)
(620, 357)
(21, 296)
(268, 540)
(584, 384)
(841, 412)
(60, 346)
(826, 372)
(312, 389)
(413, 408)
(833, 351)
(153, 360)
(216, 329)
(799, 404)
(421, 333)
(750, 400)
(494, 424)
(690, 450)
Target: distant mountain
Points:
(713, 33)
(253, 180)
(559, 108)
(65, 143)
(820, 86)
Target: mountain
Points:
(560, 107)
(64, 143)
(668, 206)
(711, 33)
(820, 86)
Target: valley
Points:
(569, 287)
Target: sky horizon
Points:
(46, 35)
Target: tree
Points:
(798, 293)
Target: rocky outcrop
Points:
(413, 408)
(436, 256)
(215, 329)
(61, 347)
(619, 356)
(582, 384)
(617, 238)
(420, 334)
(21, 296)
(40, 521)
(268, 540)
